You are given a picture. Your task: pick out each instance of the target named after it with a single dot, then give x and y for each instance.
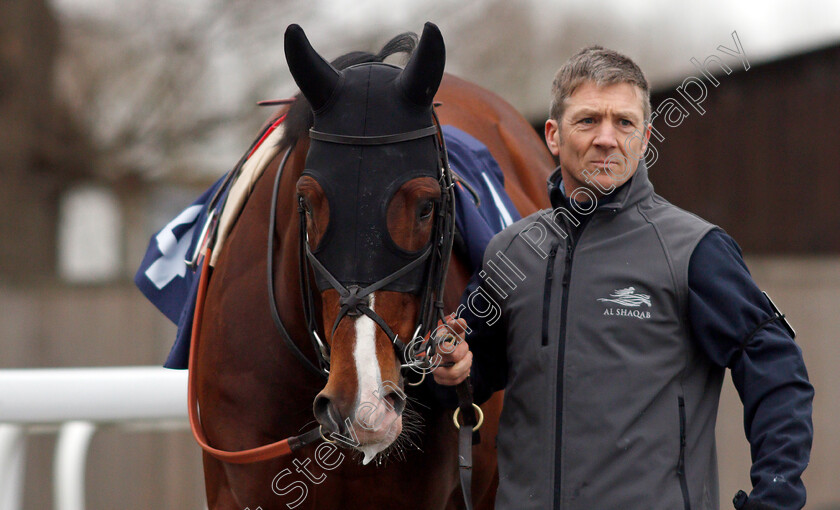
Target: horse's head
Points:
(370, 200)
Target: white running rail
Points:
(74, 402)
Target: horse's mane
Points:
(299, 117)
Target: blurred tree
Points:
(41, 148)
(165, 86)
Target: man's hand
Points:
(454, 349)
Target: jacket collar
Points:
(628, 194)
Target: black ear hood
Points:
(421, 77)
(315, 77)
(367, 100)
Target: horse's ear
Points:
(315, 77)
(421, 77)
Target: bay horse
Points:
(348, 214)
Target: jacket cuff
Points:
(742, 502)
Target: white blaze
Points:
(367, 369)
(364, 352)
(376, 423)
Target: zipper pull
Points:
(566, 275)
(551, 255)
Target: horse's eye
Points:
(427, 210)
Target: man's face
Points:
(600, 139)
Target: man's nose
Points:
(607, 136)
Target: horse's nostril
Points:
(397, 400)
(326, 414)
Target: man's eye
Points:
(587, 120)
(626, 122)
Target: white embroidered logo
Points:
(627, 297)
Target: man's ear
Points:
(648, 130)
(552, 138)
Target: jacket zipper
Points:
(561, 355)
(681, 463)
(549, 276)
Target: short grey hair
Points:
(598, 65)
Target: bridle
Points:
(355, 300)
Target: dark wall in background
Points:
(763, 162)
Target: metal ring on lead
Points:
(322, 346)
(321, 431)
(477, 410)
(418, 383)
(416, 331)
(414, 361)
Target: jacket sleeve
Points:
(734, 324)
(488, 373)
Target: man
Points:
(617, 316)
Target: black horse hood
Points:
(367, 100)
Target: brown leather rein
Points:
(270, 451)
